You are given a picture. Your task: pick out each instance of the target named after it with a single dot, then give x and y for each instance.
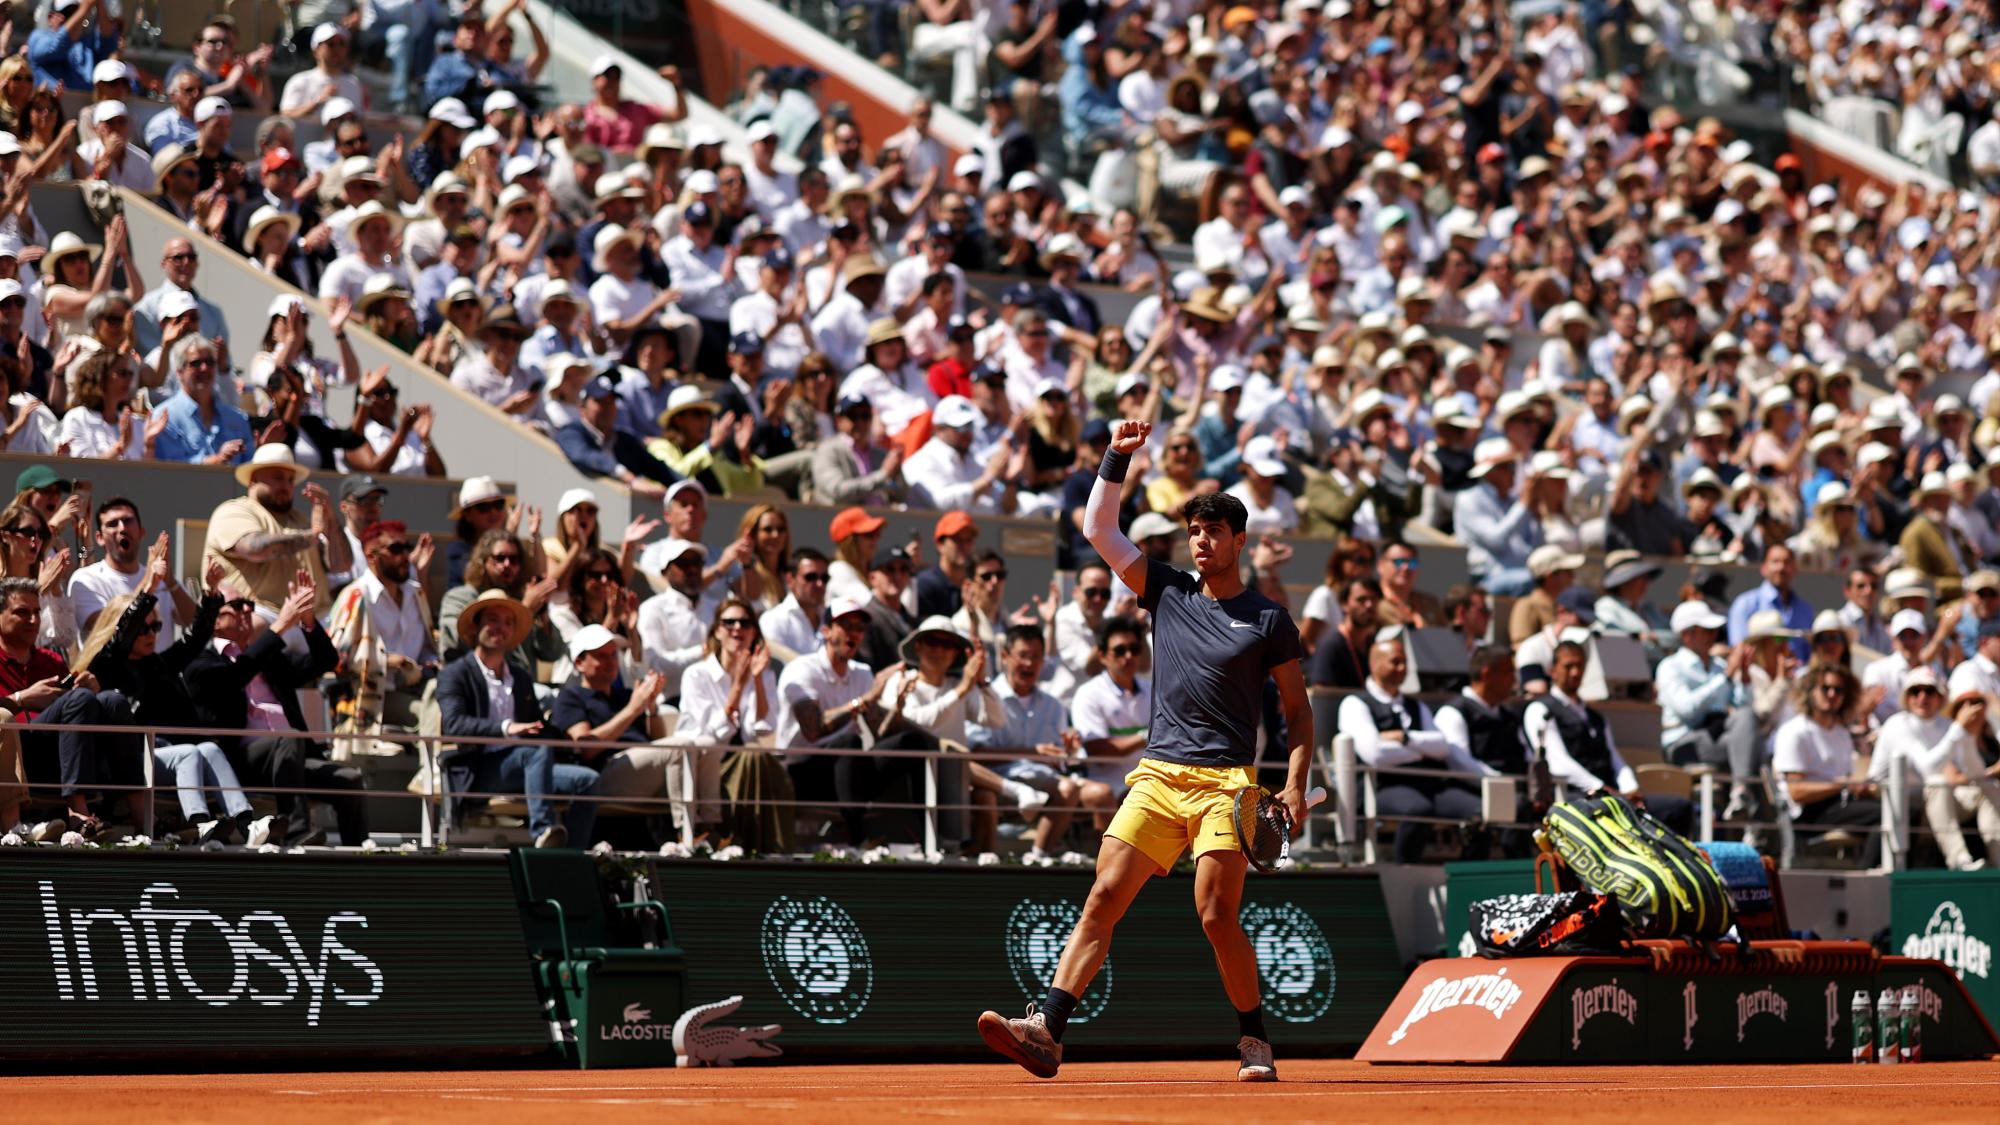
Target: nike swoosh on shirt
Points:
(1241, 625)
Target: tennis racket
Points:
(1264, 828)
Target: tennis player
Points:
(1214, 644)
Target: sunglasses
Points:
(184, 256)
(510, 560)
(992, 576)
(34, 533)
(1096, 593)
(735, 623)
(601, 575)
(1922, 690)
(1834, 691)
(385, 392)
(150, 627)
(1123, 650)
(397, 548)
(1403, 564)
(818, 579)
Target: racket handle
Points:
(1316, 796)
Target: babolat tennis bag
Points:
(1664, 886)
(1571, 923)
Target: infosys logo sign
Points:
(1944, 939)
(98, 950)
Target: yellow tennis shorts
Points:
(1171, 806)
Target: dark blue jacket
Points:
(585, 453)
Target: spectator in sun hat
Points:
(1498, 531)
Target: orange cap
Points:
(854, 521)
(951, 523)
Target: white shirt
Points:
(1451, 723)
(476, 376)
(1422, 741)
(704, 690)
(1924, 748)
(44, 433)
(804, 229)
(673, 635)
(906, 280)
(788, 624)
(1820, 753)
(842, 331)
(1888, 674)
(941, 478)
(93, 587)
(302, 88)
(499, 690)
(813, 678)
(898, 396)
(770, 193)
(409, 460)
(135, 171)
(1323, 604)
(938, 708)
(347, 275)
(1280, 516)
(399, 627)
(706, 291)
(615, 300)
(1076, 644)
(784, 349)
(1546, 740)
(1101, 709)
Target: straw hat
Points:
(936, 625)
(62, 246)
(520, 621)
(275, 455)
(683, 399)
(475, 491)
(267, 216)
(884, 330)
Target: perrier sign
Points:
(1953, 917)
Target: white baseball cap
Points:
(176, 302)
(602, 63)
(841, 607)
(109, 111)
(337, 108)
(1696, 615)
(110, 70)
(955, 412)
(760, 131)
(452, 112)
(1260, 455)
(590, 638)
(499, 100)
(210, 108)
(1907, 621)
(327, 31)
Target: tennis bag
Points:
(1571, 923)
(1665, 887)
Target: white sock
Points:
(1021, 795)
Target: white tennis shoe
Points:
(1027, 1041)
(1255, 1063)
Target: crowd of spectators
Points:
(1450, 277)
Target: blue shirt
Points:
(1211, 660)
(1809, 491)
(1797, 614)
(429, 290)
(188, 438)
(1034, 720)
(451, 73)
(639, 405)
(170, 128)
(56, 58)
(1691, 686)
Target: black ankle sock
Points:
(1056, 1009)
(1251, 1023)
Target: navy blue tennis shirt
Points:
(1210, 660)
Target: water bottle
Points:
(1863, 1010)
(1912, 1031)
(1887, 1050)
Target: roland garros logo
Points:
(1036, 934)
(1944, 939)
(1294, 961)
(817, 958)
(1491, 992)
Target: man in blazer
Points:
(479, 695)
(250, 681)
(1931, 544)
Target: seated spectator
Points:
(329, 77)
(1624, 607)
(180, 263)
(822, 700)
(1779, 568)
(1270, 504)
(698, 445)
(492, 371)
(1912, 647)
(111, 156)
(1076, 625)
(1982, 602)
(791, 628)
(1033, 724)
(381, 626)
(71, 285)
(1113, 710)
(595, 446)
(1980, 672)
(468, 692)
(1390, 731)
(374, 229)
(1402, 603)
(1498, 531)
(1480, 721)
(850, 467)
(1553, 570)
(400, 439)
(889, 624)
(596, 594)
(731, 699)
(668, 622)
(249, 681)
(1861, 613)
(1942, 754)
(40, 691)
(1931, 545)
(1814, 754)
(597, 706)
(501, 562)
(922, 699)
(223, 73)
(1340, 659)
(1576, 742)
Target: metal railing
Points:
(432, 753)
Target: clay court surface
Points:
(1312, 1090)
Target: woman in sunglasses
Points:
(731, 699)
(125, 653)
(26, 542)
(597, 595)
